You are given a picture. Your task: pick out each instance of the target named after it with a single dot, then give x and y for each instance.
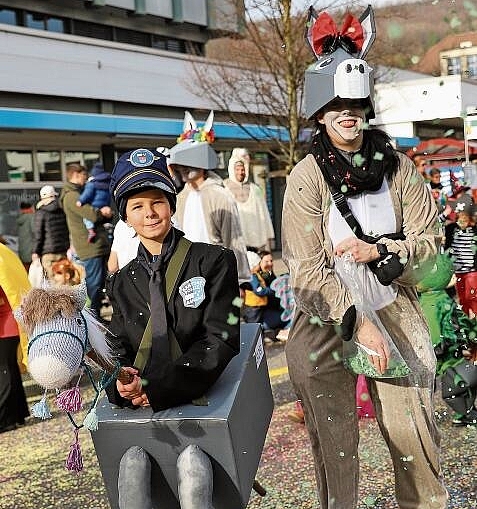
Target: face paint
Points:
(343, 120)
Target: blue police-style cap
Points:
(138, 170)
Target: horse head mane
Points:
(41, 305)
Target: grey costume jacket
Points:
(209, 338)
(308, 250)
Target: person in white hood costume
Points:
(257, 227)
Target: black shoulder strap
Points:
(345, 211)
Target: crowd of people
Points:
(180, 260)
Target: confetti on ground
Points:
(32, 473)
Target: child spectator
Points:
(460, 240)
(96, 193)
(437, 189)
(261, 305)
(65, 273)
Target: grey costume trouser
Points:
(404, 410)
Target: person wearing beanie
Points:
(193, 329)
(356, 200)
(257, 227)
(51, 237)
(96, 193)
(206, 211)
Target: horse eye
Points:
(361, 68)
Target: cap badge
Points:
(141, 158)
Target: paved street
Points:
(32, 474)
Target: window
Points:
(453, 65)
(94, 30)
(34, 20)
(16, 166)
(40, 21)
(132, 37)
(8, 16)
(49, 165)
(55, 25)
(84, 158)
(194, 48)
(159, 42)
(472, 66)
(176, 45)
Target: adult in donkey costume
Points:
(355, 168)
(193, 327)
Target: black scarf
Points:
(375, 160)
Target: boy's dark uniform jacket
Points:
(207, 339)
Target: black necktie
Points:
(160, 351)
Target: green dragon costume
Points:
(451, 332)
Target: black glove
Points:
(388, 267)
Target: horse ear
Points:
(369, 30)
(209, 122)
(18, 315)
(80, 294)
(189, 122)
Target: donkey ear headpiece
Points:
(340, 70)
(193, 145)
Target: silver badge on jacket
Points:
(192, 292)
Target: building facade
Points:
(87, 80)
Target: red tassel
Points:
(74, 462)
(70, 400)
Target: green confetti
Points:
(237, 302)
(336, 355)
(370, 501)
(344, 188)
(378, 156)
(455, 22)
(313, 356)
(308, 227)
(358, 160)
(415, 59)
(315, 320)
(232, 319)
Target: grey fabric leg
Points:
(194, 479)
(134, 482)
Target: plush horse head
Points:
(63, 338)
(62, 334)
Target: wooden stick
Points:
(123, 376)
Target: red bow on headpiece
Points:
(324, 27)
